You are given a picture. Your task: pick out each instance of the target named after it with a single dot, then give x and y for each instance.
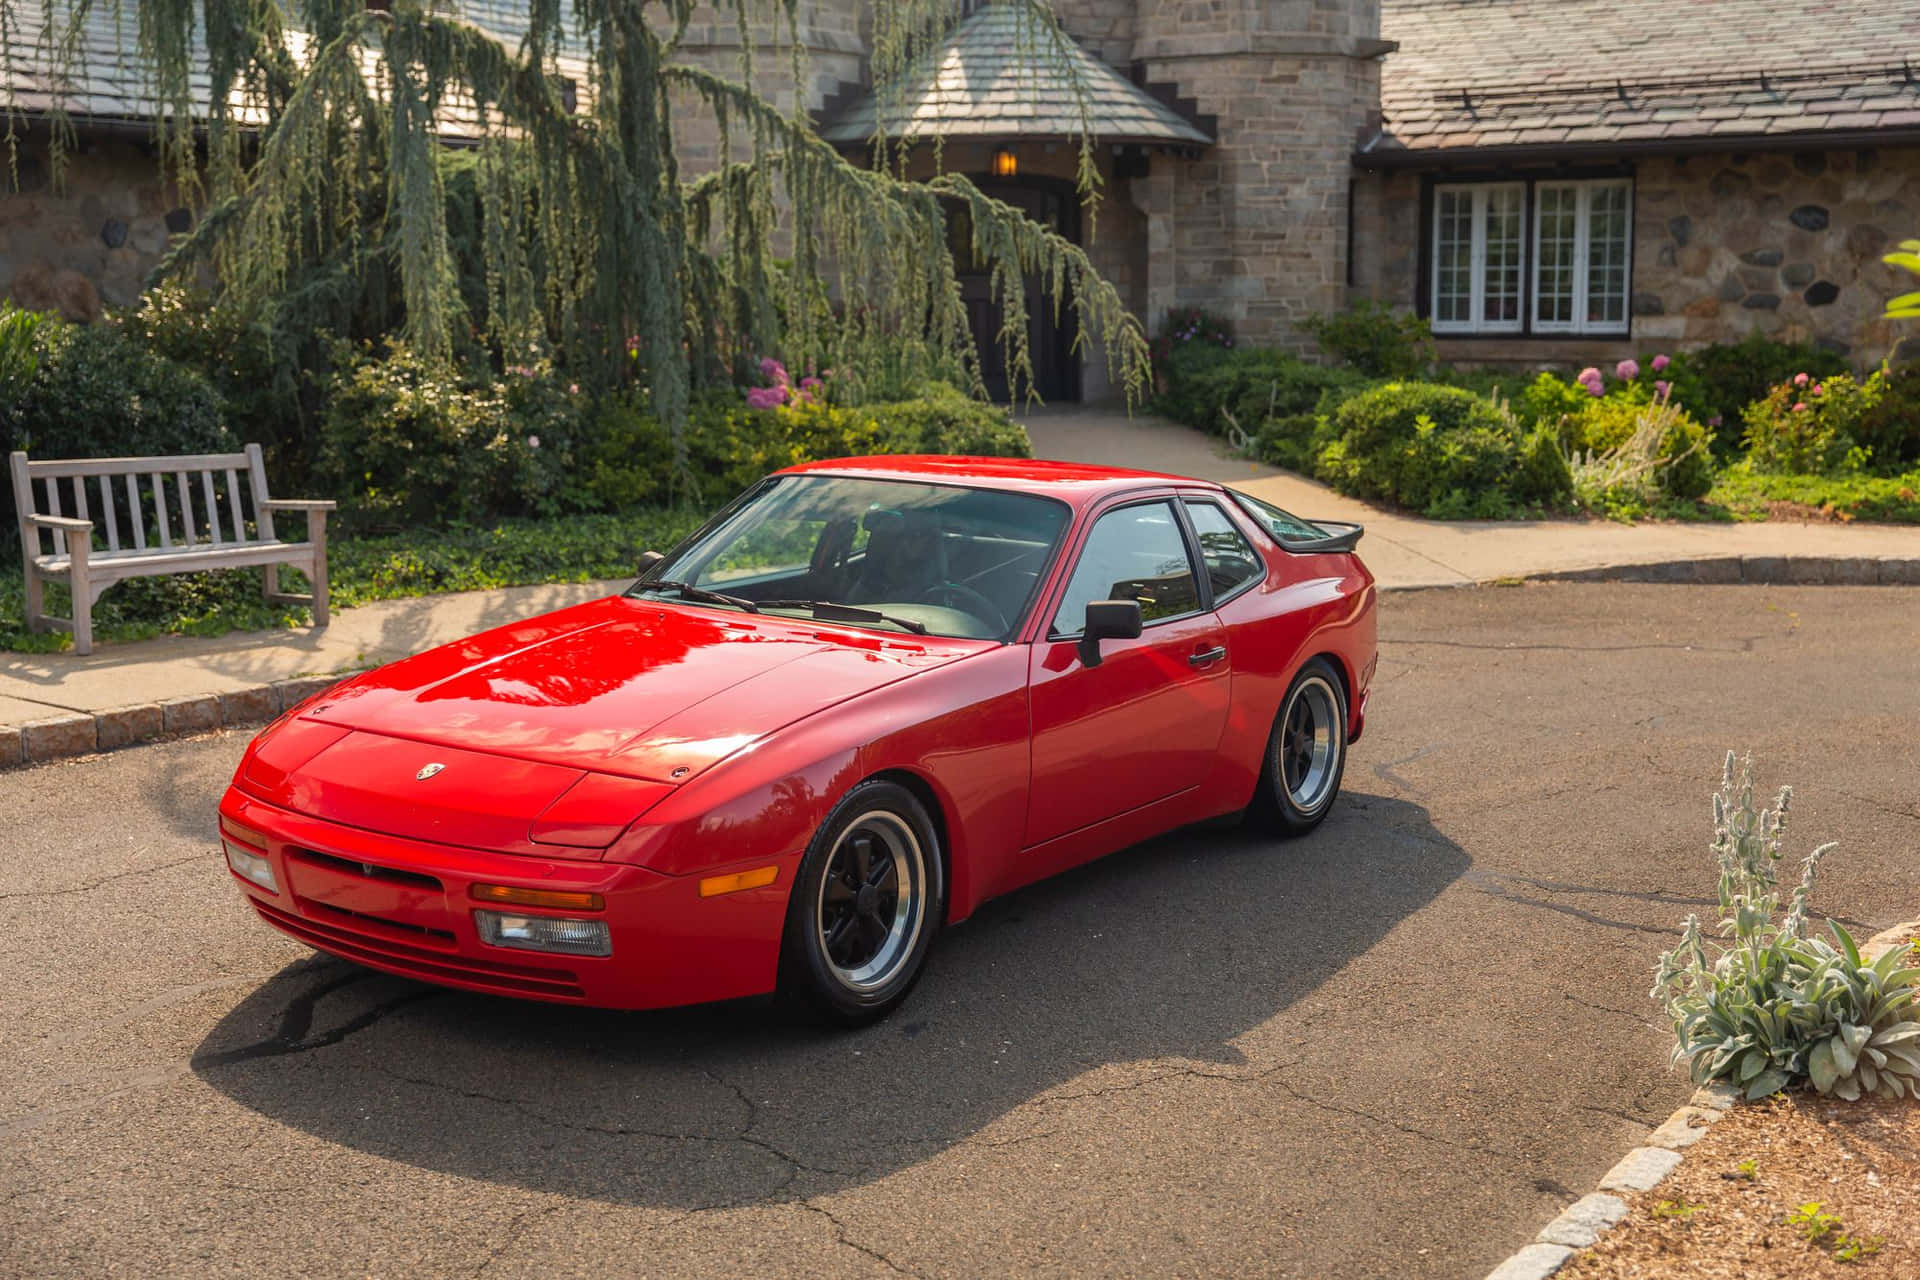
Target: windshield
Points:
(891, 554)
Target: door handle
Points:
(1206, 657)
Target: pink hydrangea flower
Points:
(773, 371)
(1662, 389)
(1715, 420)
(1819, 388)
(809, 383)
(1627, 370)
(573, 388)
(1800, 408)
(1801, 379)
(1590, 379)
(1660, 364)
(766, 397)
(533, 442)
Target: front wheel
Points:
(865, 907)
(1306, 753)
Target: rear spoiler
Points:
(1339, 535)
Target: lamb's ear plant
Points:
(1764, 1006)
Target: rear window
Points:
(1293, 533)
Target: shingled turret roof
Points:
(997, 77)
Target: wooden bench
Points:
(141, 533)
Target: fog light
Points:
(249, 865)
(544, 933)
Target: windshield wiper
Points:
(828, 611)
(691, 592)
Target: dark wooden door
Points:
(1056, 370)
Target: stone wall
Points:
(1256, 227)
(92, 242)
(1787, 244)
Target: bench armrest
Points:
(300, 504)
(59, 522)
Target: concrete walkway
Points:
(59, 704)
(1408, 552)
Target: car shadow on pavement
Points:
(1150, 961)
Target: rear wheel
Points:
(865, 907)
(1306, 753)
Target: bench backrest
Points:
(196, 501)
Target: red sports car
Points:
(864, 698)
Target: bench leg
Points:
(81, 582)
(317, 535)
(36, 602)
(270, 580)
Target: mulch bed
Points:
(1728, 1212)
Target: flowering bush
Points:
(1771, 1007)
(1808, 426)
(1189, 325)
(780, 391)
(1627, 439)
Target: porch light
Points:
(1005, 163)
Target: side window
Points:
(1231, 563)
(1135, 553)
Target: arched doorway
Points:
(1056, 369)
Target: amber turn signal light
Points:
(563, 899)
(714, 886)
(245, 835)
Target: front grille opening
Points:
(327, 908)
(364, 870)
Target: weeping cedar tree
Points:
(318, 148)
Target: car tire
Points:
(865, 907)
(1306, 753)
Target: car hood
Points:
(632, 688)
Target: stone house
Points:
(1576, 181)
(1548, 181)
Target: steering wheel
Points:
(955, 595)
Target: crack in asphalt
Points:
(521, 1224)
(1201, 1073)
(1491, 884)
(297, 1021)
(841, 1237)
(1384, 770)
(1607, 1008)
(90, 886)
(1618, 1114)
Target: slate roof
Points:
(994, 77)
(109, 82)
(1476, 78)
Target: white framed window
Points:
(1479, 242)
(1582, 235)
(1540, 256)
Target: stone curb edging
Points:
(1644, 1167)
(1809, 571)
(80, 733)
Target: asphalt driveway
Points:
(1396, 1047)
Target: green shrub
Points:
(405, 442)
(97, 392)
(1889, 428)
(264, 396)
(729, 446)
(1809, 427)
(18, 355)
(1606, 424)
(1375, 339)
(1247, 386)
(1747, 494)
(1717, 383)
(1771, 1007)
(1440, 450)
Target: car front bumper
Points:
(406, 907)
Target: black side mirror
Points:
(648, 559)
(1107, 620)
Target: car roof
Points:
(1075, 482)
